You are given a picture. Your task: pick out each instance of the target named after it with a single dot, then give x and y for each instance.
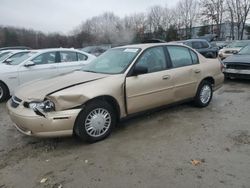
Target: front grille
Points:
(15, 102)
(238, 66)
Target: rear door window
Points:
(196, 45)
(204, 44)
(180, 56)
(68, 56)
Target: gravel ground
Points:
(153, 150)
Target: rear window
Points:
(68, 56)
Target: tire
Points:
(4, 92)
(204, 94)
(95, 122)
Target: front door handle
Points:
(197, 71)
(166, 77)
(52, 67)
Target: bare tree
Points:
(155, 18)
(238, 11)
(214, 10)
(188, 12)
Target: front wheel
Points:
(4, 92)
(204, 94)
(95, 122)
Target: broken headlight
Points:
(45, 106)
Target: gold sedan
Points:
(121, 82)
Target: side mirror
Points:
(235, 52)
(139, 70)
(8, 60)
(29, 64)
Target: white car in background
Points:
(5, 54)
(39, 64)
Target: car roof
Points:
(190, 40)
(57, 49)
(148, 45)
(15, 48)
(3, 51)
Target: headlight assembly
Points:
(45, 106)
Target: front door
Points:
(151, 89)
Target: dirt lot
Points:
(154, 150)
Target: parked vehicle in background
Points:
(220, 44)
(238, 65)
(39, 64)
(153, 41)
(4, 54)
(203, 47)
(12, 55)
(121, 82)
(233, 48)
(15, 48)
(96, 50)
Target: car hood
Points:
(238, 59)
(39, 89)
(230, 49)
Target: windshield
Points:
(245, 50)
(15, 56)
(19, 60)
(113, 61)
(4, 55)
(238, 44)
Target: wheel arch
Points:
(209, 79)
(109, 99)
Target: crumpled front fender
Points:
(65, 102)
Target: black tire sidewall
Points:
(198, 101)
(79, 128)
(5, 92)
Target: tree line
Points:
(157, 22)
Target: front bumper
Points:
(237, 73)
(54, 124)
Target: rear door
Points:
(71, 61)
(154, 88)
(45, 65)
(186, 71)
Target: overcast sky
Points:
(65, 15)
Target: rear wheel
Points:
(4, 92)
(95, 122)
(204, 94)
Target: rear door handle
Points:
(166, 77)
(197, 71)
